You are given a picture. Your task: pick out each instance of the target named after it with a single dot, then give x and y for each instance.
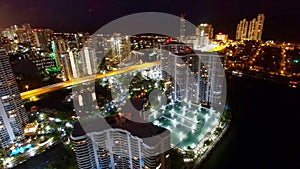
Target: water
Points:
(264, 131)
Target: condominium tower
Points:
(12, 111)
(117, 143)
(250, 30)
(197, 77)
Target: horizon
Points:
(84, 16)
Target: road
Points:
(61, 85)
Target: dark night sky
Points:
(282, 17)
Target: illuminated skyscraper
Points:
(39, 39)
(12, 111)
(205, 33)
(88, 61)
(212, 78)
(81, 39)
(205, 29)
(242, 30)
(120, 47)
(74, 64)
(26, 33)
(69, 61)
(60, 53)
(26, 27)
(256, 27)
(23, 36)
(169, 67)
(197, 77)
(59, 46)
(252, 31)
(121, 144)
(66, 66)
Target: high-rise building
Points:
(66, 66)
(174, 68)
(256, 27)
(39, 39)
(81, 39)
(48, 34)
(205, 32)
(8, 33)
(120, 47)
(61, 46)
(60, 52)
(121, 144)
(203, 36)
(22, 36)
(26, 27)
(213, 78)
(28, 31)
(74, 64)
(205, 29)
(252, 30)
(98, 42)
(12, 111)
(197, 77)
(111, 49)
(88, 61)
(69, 62)
(242, 30)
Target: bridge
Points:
(61, 85)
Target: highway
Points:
(61, 85)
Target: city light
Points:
(190, 72)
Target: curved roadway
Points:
(61, 85)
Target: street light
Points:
(27, 87)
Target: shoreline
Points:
(199, 161)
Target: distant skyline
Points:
(281, 23)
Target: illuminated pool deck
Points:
(188, 123)
(21, 150)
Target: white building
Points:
(67, 70)
(80, 63)
(88, 61)
(123, 144)
(196, 77)
(203, 36)
(12, 111)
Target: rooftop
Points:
(141, 130)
